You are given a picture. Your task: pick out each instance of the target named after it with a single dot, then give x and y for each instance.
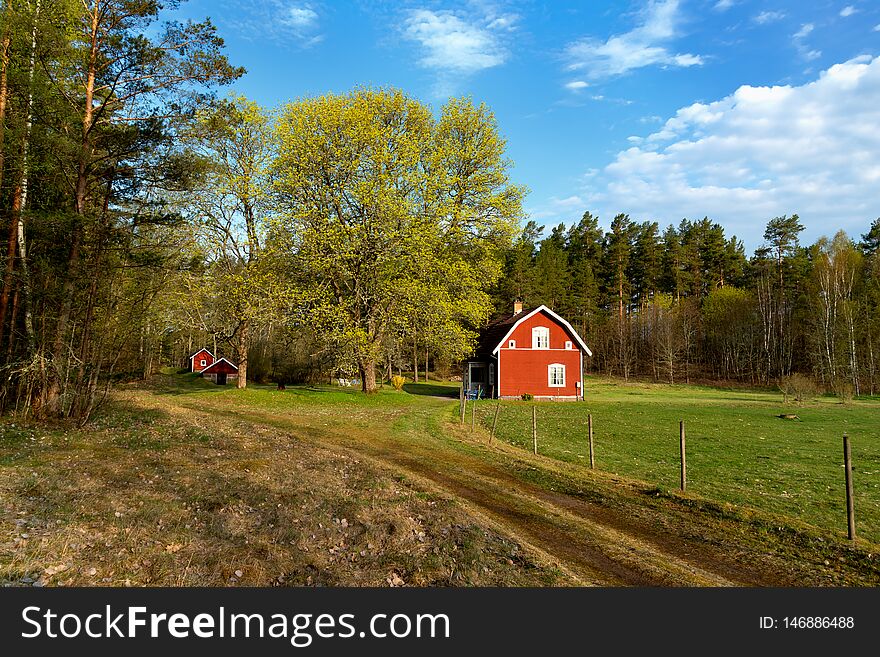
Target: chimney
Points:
(517, 307)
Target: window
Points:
(556, 375)
(540, 337)
(203, 362)
(511, 344)
(568, 344)
(476, 376)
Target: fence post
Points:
(683, 459)
(462, 404)
(535, 428)
(590, 426)
(473, 415)
(850, 507)
(494, 422)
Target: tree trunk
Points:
(12, 319)
(243, 344)
(415, 361)
(4, 95)
(10, 257)
(368, 375)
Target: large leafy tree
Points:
(389, 214)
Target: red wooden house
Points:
(200, 360)
(534, 352)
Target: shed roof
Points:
(205, 349)
(217, 366)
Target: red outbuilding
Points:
(533, 352)
(200, 360)
(221, 371)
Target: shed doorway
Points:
(221, 378)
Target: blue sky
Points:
(734, 109)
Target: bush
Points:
(397, 382)
(527, 396)
(844, 391)
(798, 387)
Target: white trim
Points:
(554, 316)
(511, 344)
(568, 345)
(583, 394)
(220, 361)
(550, 383)
(498, 375)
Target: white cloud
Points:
(847, 11)
(768, 17)
(286, 21)
(724, 5)
(802, 48)
(758, 153)
(877, 27)
(576, 85)
(555, 207)
(805, 30)
(298, 17)
(455, 45)
(642, 46)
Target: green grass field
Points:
(738, 450)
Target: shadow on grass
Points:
(184, 384)
(432, 390)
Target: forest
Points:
(148, 212)
(688, 303)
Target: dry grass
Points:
(155, 494)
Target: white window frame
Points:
(568, 345)
(540, 334)
(511, 344)
(203, 362)
(550, 377)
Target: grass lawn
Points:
(738, 450)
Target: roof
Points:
(497, 332)
(200, 351)
(216, 364)
(493, 334)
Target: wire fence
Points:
(810, 480)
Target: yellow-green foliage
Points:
(397, 382)
(395, 218)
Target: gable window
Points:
(540, 337)
(556, 375)
(203, 362)
(511, 344)
(568, 344)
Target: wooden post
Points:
(590, 426)
(683, 459)
(473, 415)
(850, 508)
(462, 403)
(494, 422)
(535, 428)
